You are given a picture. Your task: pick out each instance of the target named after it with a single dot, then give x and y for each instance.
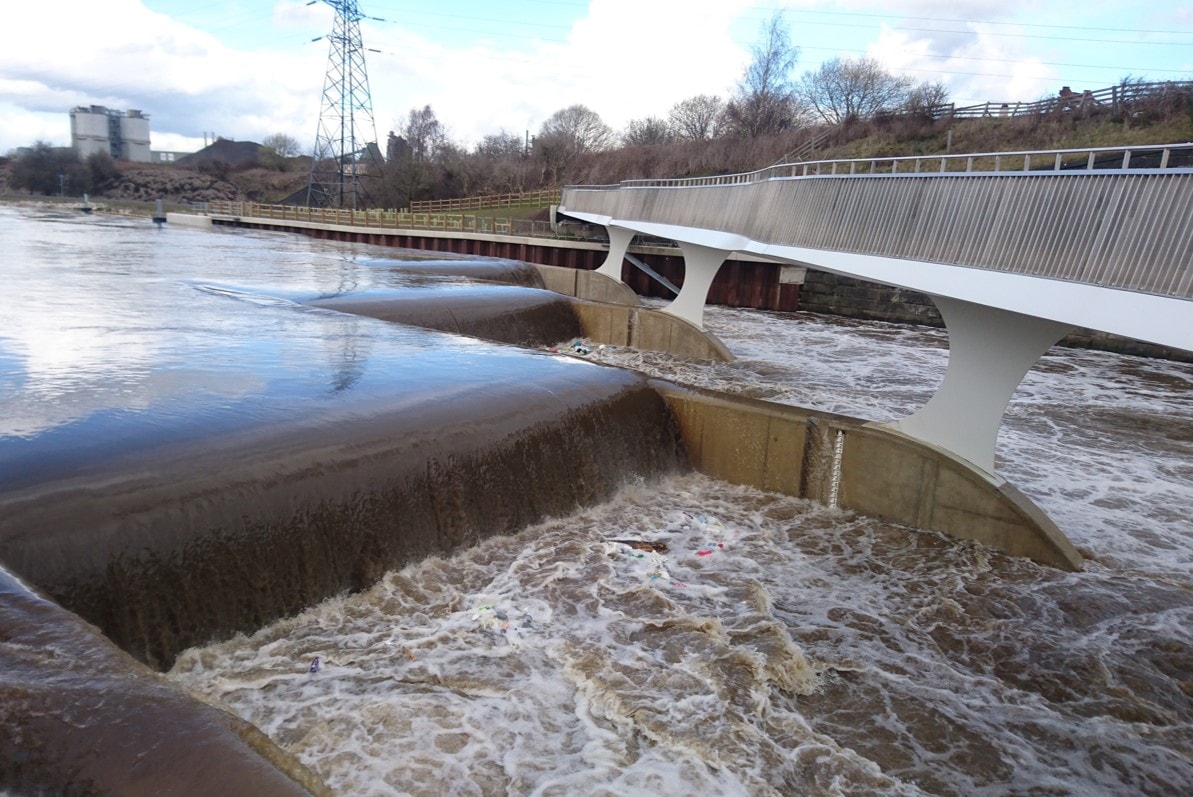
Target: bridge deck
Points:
(1125, 229)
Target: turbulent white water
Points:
(775, 646)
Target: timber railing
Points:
(390, 219)
(1114, 99)
(1119, 217)
(548, 196)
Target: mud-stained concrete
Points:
(199, 540)
(80, 717)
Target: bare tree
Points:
(567, 134)
(424, 133)
(277, 149)
(579, 128)
(763, 103)
(853, 89)
(696, 118)
(500, 145)
(284, 145)
(646, 132)
(927, 99)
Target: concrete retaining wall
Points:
(609, 314)
(586, 285)
(843, 462)
(188, 220)
(652, 330)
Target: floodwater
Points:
(689, 637)
(685, 637)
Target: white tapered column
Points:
(700, 266)
(990, 351)
(619, 243)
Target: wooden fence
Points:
(1114, 99)
(547, 196)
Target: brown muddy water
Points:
(684, 636)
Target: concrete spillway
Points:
(224, 442)
(213, 450)
(198, 539)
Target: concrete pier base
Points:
(845, 462)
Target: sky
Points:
(245, 69)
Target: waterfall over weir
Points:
(193, 448)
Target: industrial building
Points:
(121, 134)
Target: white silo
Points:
(89, 130)
(134, 136)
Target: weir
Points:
(287, 444)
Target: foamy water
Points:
(690, 637)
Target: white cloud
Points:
(975, 65)
(623, 59)
(121, 55)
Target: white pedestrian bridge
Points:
(1016, 249)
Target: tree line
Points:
(423, 162)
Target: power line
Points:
(342, 154)
(858, 15)
(992, 22)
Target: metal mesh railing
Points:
(1092, 216)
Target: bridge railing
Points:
(1168, 156)
(1055, 214)
(390, 219)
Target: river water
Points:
(687, 636)
(775, 646)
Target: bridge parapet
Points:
(1146, 156)
(1079, 220)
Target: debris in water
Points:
(314, 665)
(644, 545)
(704, 553)
(497, 621)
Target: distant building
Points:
(122, 134)
(165, 156)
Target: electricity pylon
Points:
(344, 153)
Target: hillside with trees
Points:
(845, 108)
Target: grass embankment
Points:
(1007, 135)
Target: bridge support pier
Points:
(990, 351)
(700, 266)
(619, 244)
